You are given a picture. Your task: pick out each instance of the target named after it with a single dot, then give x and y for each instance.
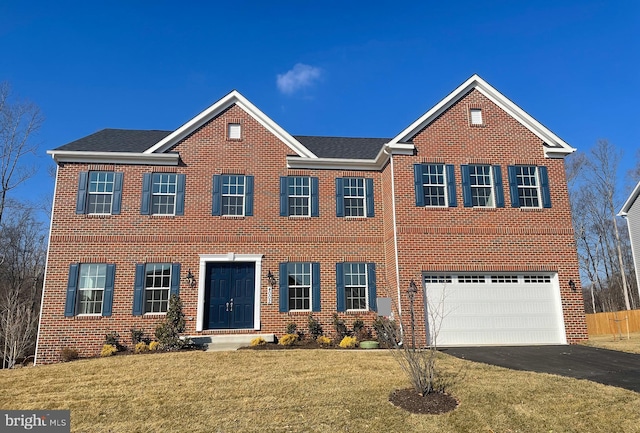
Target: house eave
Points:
(128, 158)
(294, 162)
(630, 201)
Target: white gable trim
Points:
(351, 164)
(554, 146)
(630, 201)
(210, 113)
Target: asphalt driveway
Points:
(581, 362)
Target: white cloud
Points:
(297, 78)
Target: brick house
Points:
(470, 202)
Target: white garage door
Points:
(493, 309)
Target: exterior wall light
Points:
(191, 280)
(271, 284)
(572, 285)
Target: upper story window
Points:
(234, 131)
(476, 116)
(529, 186)
(299, 196)
(90, 289)
(354, 197)
(435, 185)
(163, 194)
(232, 195)
(356, 286)
(482, 186)
(154, 284)
(99, 193)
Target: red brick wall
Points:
(455, 239)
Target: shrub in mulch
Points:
(433, 403)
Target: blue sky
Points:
(344, 68)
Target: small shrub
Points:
(348, 342)
(292, 328)
(324, 340)
(108, 350)
(168, 332)
(387, 332)
(358, 325)
(112, 338)
(315, 328)
(67, 354)
(141, 347)
(340, 327)
(153, 346)
(137, 335)
(258, 341)
(288, 340)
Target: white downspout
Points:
(46, 265)
(395, 228)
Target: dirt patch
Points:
(431, 404)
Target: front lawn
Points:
(305, 391)
(631, 345)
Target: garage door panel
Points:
(496, 313)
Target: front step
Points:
(223, 342)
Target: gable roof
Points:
(343, 147)
(554, 146)
(630, 201)
(116, 140)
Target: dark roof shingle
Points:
(343, 147)
(117, 140)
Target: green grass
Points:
(306, 391)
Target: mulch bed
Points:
(304, 344)
(431, 404)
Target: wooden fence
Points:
(613, 323)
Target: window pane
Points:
(299, 196)
(434, 182)
(528, 188)
(481, 185)
(157, 287)
(355, 278)
(299, 286)
(354, 196)
(91, 284)
(100, 192)
(233, 188)
(163, 193)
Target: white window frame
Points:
(100, 182)
(294, 187)
(90, 277)
(475, 115)
(153, 288)
(223, 195)
(426, 169)
(364, 274)
(161, 184)
(474, 176)
(361, 185)
(521, 188)
(309, 287)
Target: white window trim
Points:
(366, 290)
(538, 188)
(491, 186)
(304, 310)
(363, 198)
(154, 194)
(308, 196)
(476, 117)
(156, 313)
(444, 185)
(243, 195)
(79, 290)
(89, 193)
(233, 129)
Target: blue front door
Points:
(229, 293)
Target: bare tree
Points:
(19, 121)
(23, 242)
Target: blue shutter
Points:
(314, 197)
(497, 185)
(284, 196)
(373, 296)
(315, 286)
(117, 193)
(339, 197)
(451, 185)
(138, 290)
(72, 286)
(145, 205)
(216, 199)
(544, 187)
(369, 194)
(417, 182)
(180, 183)
(466, 186)
(107, 296)
(175, 279)
(81, 198)
(284, 287)
(248, 196)
(341, 296)
(513, 185)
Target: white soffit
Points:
(554, 146)
(114, 157)
(213, 111)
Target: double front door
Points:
(230, 295)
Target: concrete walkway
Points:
(581, 362)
